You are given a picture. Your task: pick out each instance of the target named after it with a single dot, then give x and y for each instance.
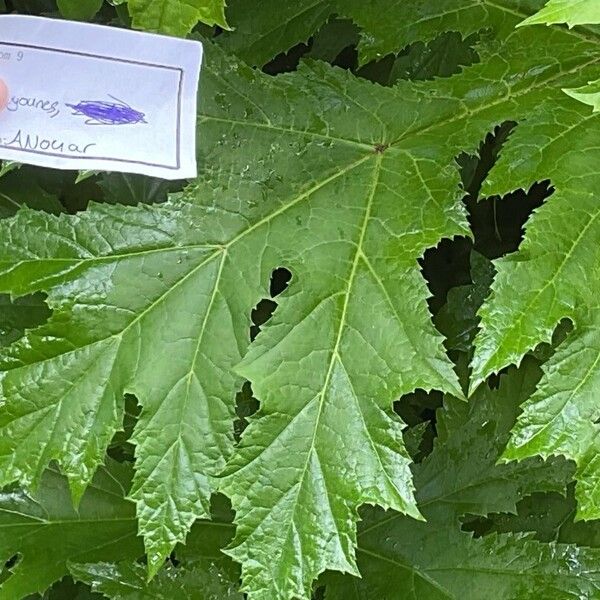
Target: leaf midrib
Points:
(298, 483)
(470, 569)
(408, 567)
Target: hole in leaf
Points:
(280, 280)
(13, 561)
(120, 448)
(418, 411)
(245, 406)
(260, 315)
(263, 311)
(27, 312)
(9, 567)
(545, 350)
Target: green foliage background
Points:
(357, 357)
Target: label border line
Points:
(179, 70)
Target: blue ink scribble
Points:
(99, 112)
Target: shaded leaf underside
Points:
(387, 26)
(128, 581)
(45, 532)
(402, 559)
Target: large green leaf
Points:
(259, 34)
(259, 460)
(544, 283)
(200, 570)
(341, 181)
(102, 342)
(265, 29)
(572, 12)
(400, 558)
(176, 17)
(128, 581)
(183, 260)
(45, 531)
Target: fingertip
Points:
(3, 95)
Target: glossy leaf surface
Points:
(400, 558)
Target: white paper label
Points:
(92, 97)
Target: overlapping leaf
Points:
(17, 189)
(588, 94)
(44, 538)
(44, 532)
(545, 282)
(572, 12)
(387, 27)
(457, 319)
(400, 558)
(176, 17)
(200, 570)
(580, 12)
(344, 183)
(16, 316)
(129, 581)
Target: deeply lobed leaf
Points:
(274, 27)
(544, 283)
(400, 558)
(346, 184)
